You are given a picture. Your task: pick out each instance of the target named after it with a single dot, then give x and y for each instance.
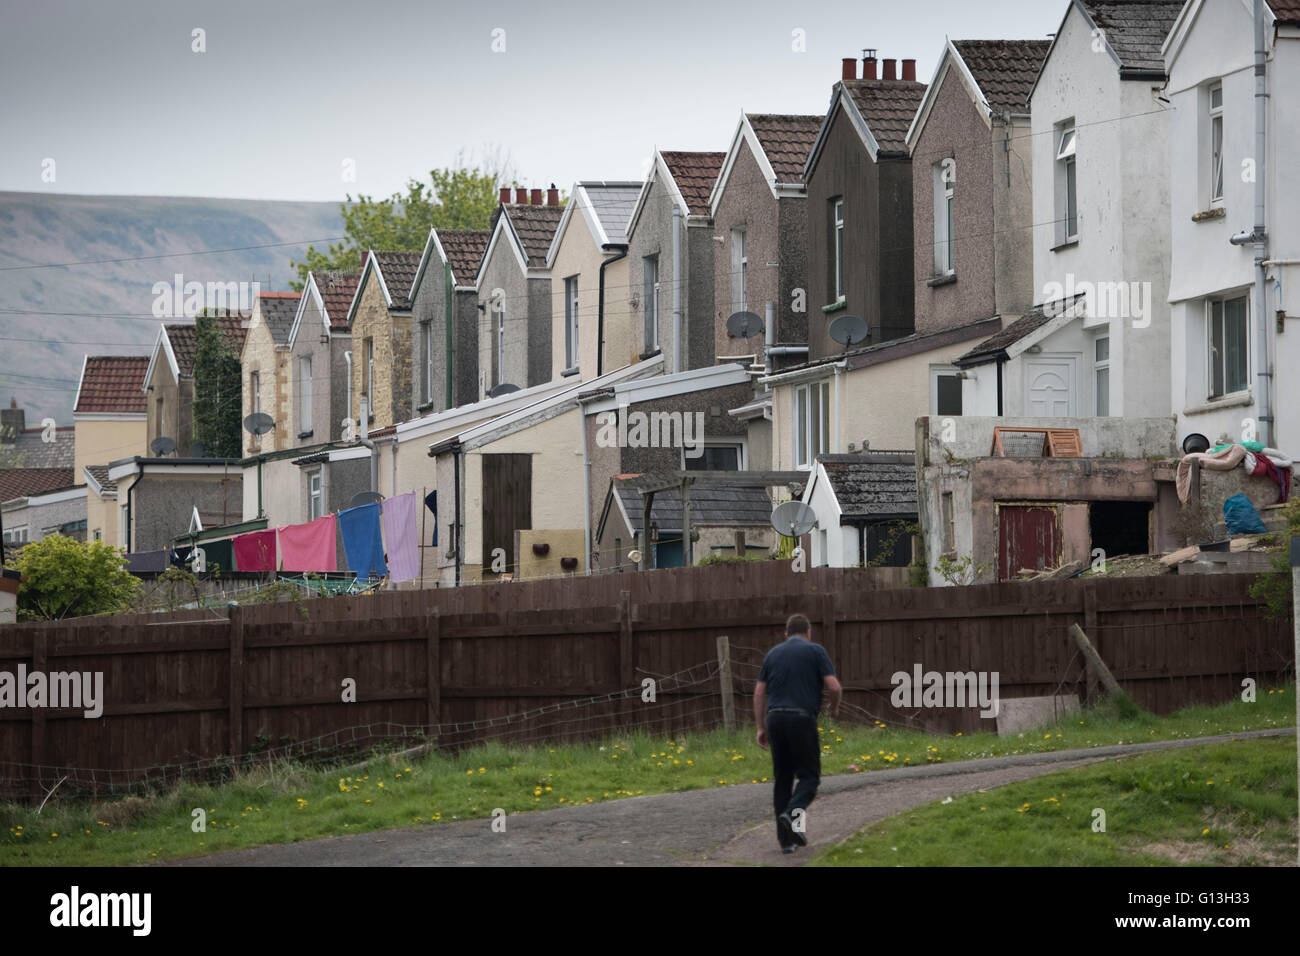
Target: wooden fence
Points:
(553, 660)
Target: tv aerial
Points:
(744, 325)
(162, 446)
(849, 330)
(793, 519)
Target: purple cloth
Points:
(401, 536)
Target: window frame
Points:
(304, 394)
(937, 372)
(427, 326)
(499, 331)
(650, 305)
(1216, 122)
(1222, 302)
(812, 422)
(945, 245)
(740, 271)
(837, 230)
(1100, 365)
(255, 386)
(1066, 162)
(571, 322)
(315, 494)
(370, 380)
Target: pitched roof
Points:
(1136, 30)
(336, 291)
(112, 383)
(31, 450)
(695, 174)
(398, 271)
(464, 249)
(710, 504)
(787, 140)
(1286, 11)
(872, 485)
(1030, 322)
(100, 474)
(25, 482)
(612, 204)
(184, 339)
(535, 226)
(1004, 69)
(278, 311)
(888, 107)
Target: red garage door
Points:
(1029, 536)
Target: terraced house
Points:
(111, 421)
(444, 303)
(320, 345)
(267, 369)
(168, 382)
(380, 322)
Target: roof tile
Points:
(464, 249)
(1136, 29)
(24, 482)
(113, 383)
(888, 106)
(787, 140)
(1004, 69)
(695, 174)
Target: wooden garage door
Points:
(507, 504)
(1029, 536)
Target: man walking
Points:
(787, 698)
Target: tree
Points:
(63, 577)
(456, 197)
(218, 389)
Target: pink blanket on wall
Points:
(309, 547)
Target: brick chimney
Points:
(13, 418)
(521, 196)
(868, 64)
(889, 70)
(909, 70)
(552, 196)
(848, 68)
(535, 197)
(504, 195)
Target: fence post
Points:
(1090, 627)
(725, 689)
(433, 667)
(236, 692)
(38, 713)
(626, 660)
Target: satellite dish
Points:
(259, 423)
(744, 325)
(850, 330)
(505, 388)
(634, 557)
(197, 450)
(162, 446)
(364, 498)
(793, 518)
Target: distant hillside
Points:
(111, 302)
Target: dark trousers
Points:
(792, 739)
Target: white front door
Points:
(1051, 387)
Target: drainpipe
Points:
(586, 487)
(374, 456)
(347, 357)
(999, 366)
(129, 492)
(600, 313)
(450, 345)
(677, 288)
(769, 338)
(1263, 368)
(456, 533)
(394, 447)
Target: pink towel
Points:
(401, 536)
(255, 551)
(309, 547)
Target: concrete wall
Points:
(972, 437)
(566, 543)
(578, 255)
(162, 505)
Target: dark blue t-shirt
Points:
(793, 671)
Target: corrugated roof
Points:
(398, 270)
(787, 139)
(113, 383)
(612, 204)
(868, 485)
(25, 482)
(1004, 69)
(464, 249)
(1136, 29)
(535, 226)
(695, 174)
(888, 106)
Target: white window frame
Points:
(1066, 155)
(1211, 359)
(304, 393)
(650, 308)
(17, 536)
(737, 443)
(428, 361)
(937, 372)
(501, 342)
(370, 379)
(255, 386)
(1100, 396)
(945, 252)
(315, 494)
(571, 322)
(811, 405)
(740, 272)
(837, 219)
(1216, 121)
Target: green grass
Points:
(1226, 804)
(284, 803)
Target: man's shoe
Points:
(788, 849)
(787, 826)
(785, 833)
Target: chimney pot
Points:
(521, 195)
(552, 196)
(909, 70)
(504, 195)
(890, 70)
(848, 68)
(868, 67)
(535, 197)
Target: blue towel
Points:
(1241, 517)
(362, 542)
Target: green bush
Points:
(63, 577)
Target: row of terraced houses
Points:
(840, 307)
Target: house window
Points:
(1101, 375)
(370, 378)
(650, 298)
(15, 537)
(304, 393)
(739, 272)
(1216, 142)
(428, 361)
(1067, 196)
(1228, 353)
(716, 456)
(837, 219)
(944, 244)
(99, 534)
(255, 386)
(812, 422)
(315, 498)
(945, 391)
(571, 322)
(501, 342)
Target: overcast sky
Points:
(286, 91)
